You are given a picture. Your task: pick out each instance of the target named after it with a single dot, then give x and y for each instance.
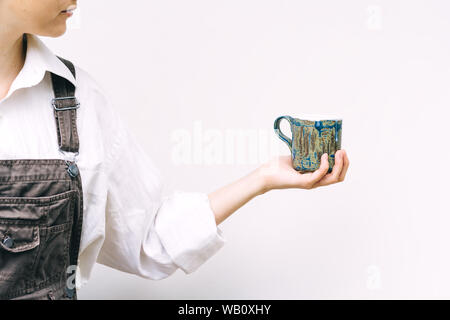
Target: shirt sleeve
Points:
(147, 233)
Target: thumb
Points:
(322, 171)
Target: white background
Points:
(238, 64)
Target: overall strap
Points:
(65, 109)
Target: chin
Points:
(55, 32)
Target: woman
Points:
(56, 127)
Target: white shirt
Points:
(128, 224)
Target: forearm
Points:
(226, 200)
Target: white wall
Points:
(238, 64)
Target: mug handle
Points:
(276, 127)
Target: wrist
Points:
(261, 181)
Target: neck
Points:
(12, 59)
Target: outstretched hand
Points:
(279, 173)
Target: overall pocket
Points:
(55, 238)
(34, 239)
(17, 250)
(19, 243)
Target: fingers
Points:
(317, 175)
(335, 174)
(345, 167)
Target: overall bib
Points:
(41, 212)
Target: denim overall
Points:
(41, 212)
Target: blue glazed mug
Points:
(312, 136)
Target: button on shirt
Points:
(128, 224)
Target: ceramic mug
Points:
(312, 136)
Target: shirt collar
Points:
(39, 59)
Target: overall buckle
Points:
(57, 108)
(72, 168)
